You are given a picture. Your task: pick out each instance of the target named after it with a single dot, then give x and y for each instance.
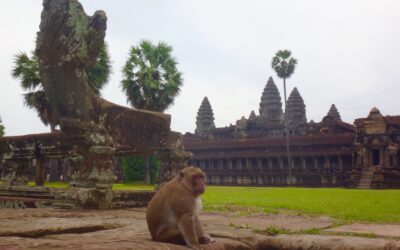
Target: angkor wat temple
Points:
(327, 153)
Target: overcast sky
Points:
(348, 54)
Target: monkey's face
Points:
(194, 179)
(199, 183)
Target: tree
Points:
(284, 66)
(26, 69)
(1, 128)
(151, 80)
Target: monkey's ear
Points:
(181, 175)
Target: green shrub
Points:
(134, 169)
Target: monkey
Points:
(172, 213)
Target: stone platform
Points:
(47, 228)
(41, 197)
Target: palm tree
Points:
(151, 80)
(284, 66)
(26, 69)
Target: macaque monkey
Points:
(172, 213)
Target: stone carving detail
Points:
(271, 105)
(296, 110)
(205, 119)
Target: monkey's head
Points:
(194, 179)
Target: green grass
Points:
(271, 230)
(345, 204)
(133, 186)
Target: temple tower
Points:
(204, 119)
(271, 105)
(333, 112)
(296, 110)
(252, 116)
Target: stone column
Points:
(171, 162)
(280, 162)
(269, 160)
(340, 162)
(40, 176)
(91, 186)
(303, 163)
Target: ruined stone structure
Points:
(93, 130)
(326, 153)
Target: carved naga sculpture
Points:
(68, 44)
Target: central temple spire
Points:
(271, 105)
(205, 118)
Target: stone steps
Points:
(366, 178)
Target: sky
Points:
(348, 54)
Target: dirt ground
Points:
(127, 229)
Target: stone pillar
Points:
(280, 162)
(248, 164)
(328, 162)
(303, 163)
(340, 162)
(91, 186)
(259, 163)
(315, 162)
(40, 175)
(171, 162)
(269, 160)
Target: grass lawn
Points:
(344, 204)
(340, 203)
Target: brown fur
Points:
(172, 213)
